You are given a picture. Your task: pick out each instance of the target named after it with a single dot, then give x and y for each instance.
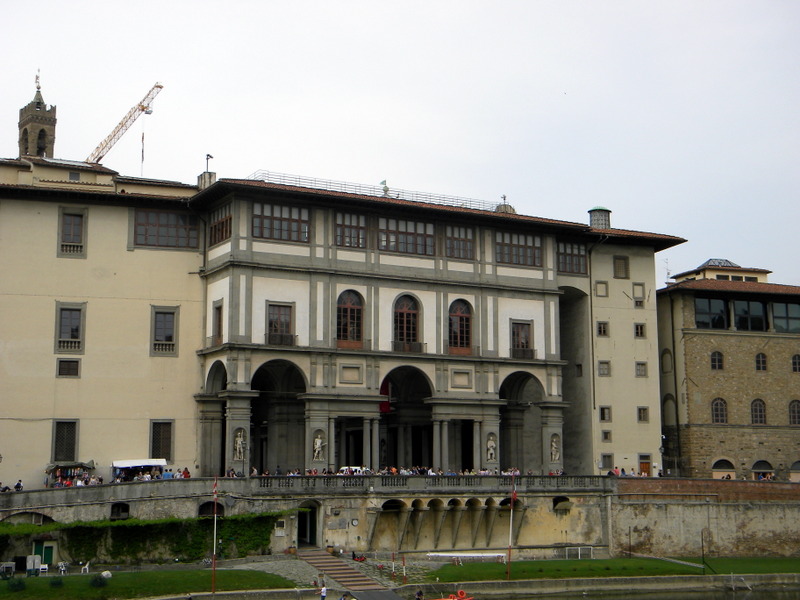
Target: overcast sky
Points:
(683, 118)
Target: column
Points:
(401, 446)
(477, 444)
(437, 445)
(365, 441)
(376, 445)
(330, 448)
(445, 464)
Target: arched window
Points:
(460, 328)
(349, 319)
(758, 412)
(406, 325)
(796, 363)
(719, 411)
(761, 362)
(716, 361)
(794, 412)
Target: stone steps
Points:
(346, 576)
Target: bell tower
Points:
(37, 127)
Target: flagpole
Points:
(214, 551)
(511, 523)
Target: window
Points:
(74, 176)
(571, 258)
(406, 237)
(758, 412)
(606, 462)
(796, 363)
(217, 323)
(518, 249)
(280, 325)
(717, 361)
(220, 224)
(164, 331)
(65, 441)
(521, 340)
(349, 319)
(786, 317)
(72, 232)
(638, 291)
(794, 412)
(165, 229)
(161, 440)
(641, 369)
(605, 436)
(643, 414)
(68, 367)
(458, 243)
(406, 325)
(639, 330)
(276, 222)
(621, 267)
(459, 334)
(602, 328)
(579, 370)
(761, 362)
(710, 313)
(605, 414)
(749, 316)
(604, 368)
(120, 511)
(601, 289)
(70, 325)
(351, 230)
(719, 411)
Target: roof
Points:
(722, 285)
(720, 264)
(61, 162)
(225, 186)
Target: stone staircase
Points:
(335, 568)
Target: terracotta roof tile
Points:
(721, 285)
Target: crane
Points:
(128, 120)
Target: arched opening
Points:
(24, 144)
(762, 470)
(406, 430)
(120, 511)
(794, 472)
(277, 418)
(307, 523)
(723, 469)
(206, 509)
(217, 379)
(41, 143)
(521, 424)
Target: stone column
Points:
(366, 431)
(445, 464)
(437, 445)
(376, 445)
(476, 445)
(401, 446)
(331, 441)
(237, 420)
(210, 416)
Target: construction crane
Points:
(128, 120)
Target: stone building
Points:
(730, 373)
(277, 322)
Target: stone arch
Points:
(762, 469)
(391, 525)
(723, 468)
(794, 472)
(217, 378)
(277, 417)
(522, 436)
(28, 517)
(406, 419)
(206, 509)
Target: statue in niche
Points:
(239, 444)
(555, 448)
(491, 449)
(319, 448)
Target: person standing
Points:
(323, 592)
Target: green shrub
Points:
(98, 581)
(56, 582)
(16, 584)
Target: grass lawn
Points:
(616, 567)
(143, 584)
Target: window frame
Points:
(758, 412)
(283, 331)
(713, 316)
(459, 327)
(640, 331)
(459, 242)
(620, 267)
(602, 329)
(746, 320)
(605, 414)
(55, 454)
(518, 249)
(164, 347)
(719, 411)
(604, 368)
(717, 359)
(154, 423)
(191, 229)
(217, 337)
(640, 368)
(789, 321)
(796, 363)
(521, 333)
(406, 236)
(60, 361)
(406, 323)
(292, 224)
(572, 258)
(349, 320)
(761, 362)
(349, 227)
(794, 412)
(70, 345)
(220, 224)
(69, 248)
(642, 414)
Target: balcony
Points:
(523, 353)
(280, 339)
(412, 347)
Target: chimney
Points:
(600, 218)
(205, 179)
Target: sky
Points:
(681, 117)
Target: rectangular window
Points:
(161, 440)
(521, 340)
(643, 414)
(72, 232)
(65, 441)
(579, 370)
(216, 323)
(458, 243)
(605, 414)
(518, 249)
(68, 367)
(165, 229)
(638, 291)
(605, 436)
(220, 224)
(602, 328)
(606, 462)
(710, 313)
(70, 325)
(280, 326)
(621, 267)
(749, 316)
(604, 368)
(639, 330)
(163, 331)
(277, 222)
(601, 289)
(641, 369)
(572, 258)
(786, 317)
(351, 230)
(74, 176)
(406, 237)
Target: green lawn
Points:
(617, 567)
(143, 584)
